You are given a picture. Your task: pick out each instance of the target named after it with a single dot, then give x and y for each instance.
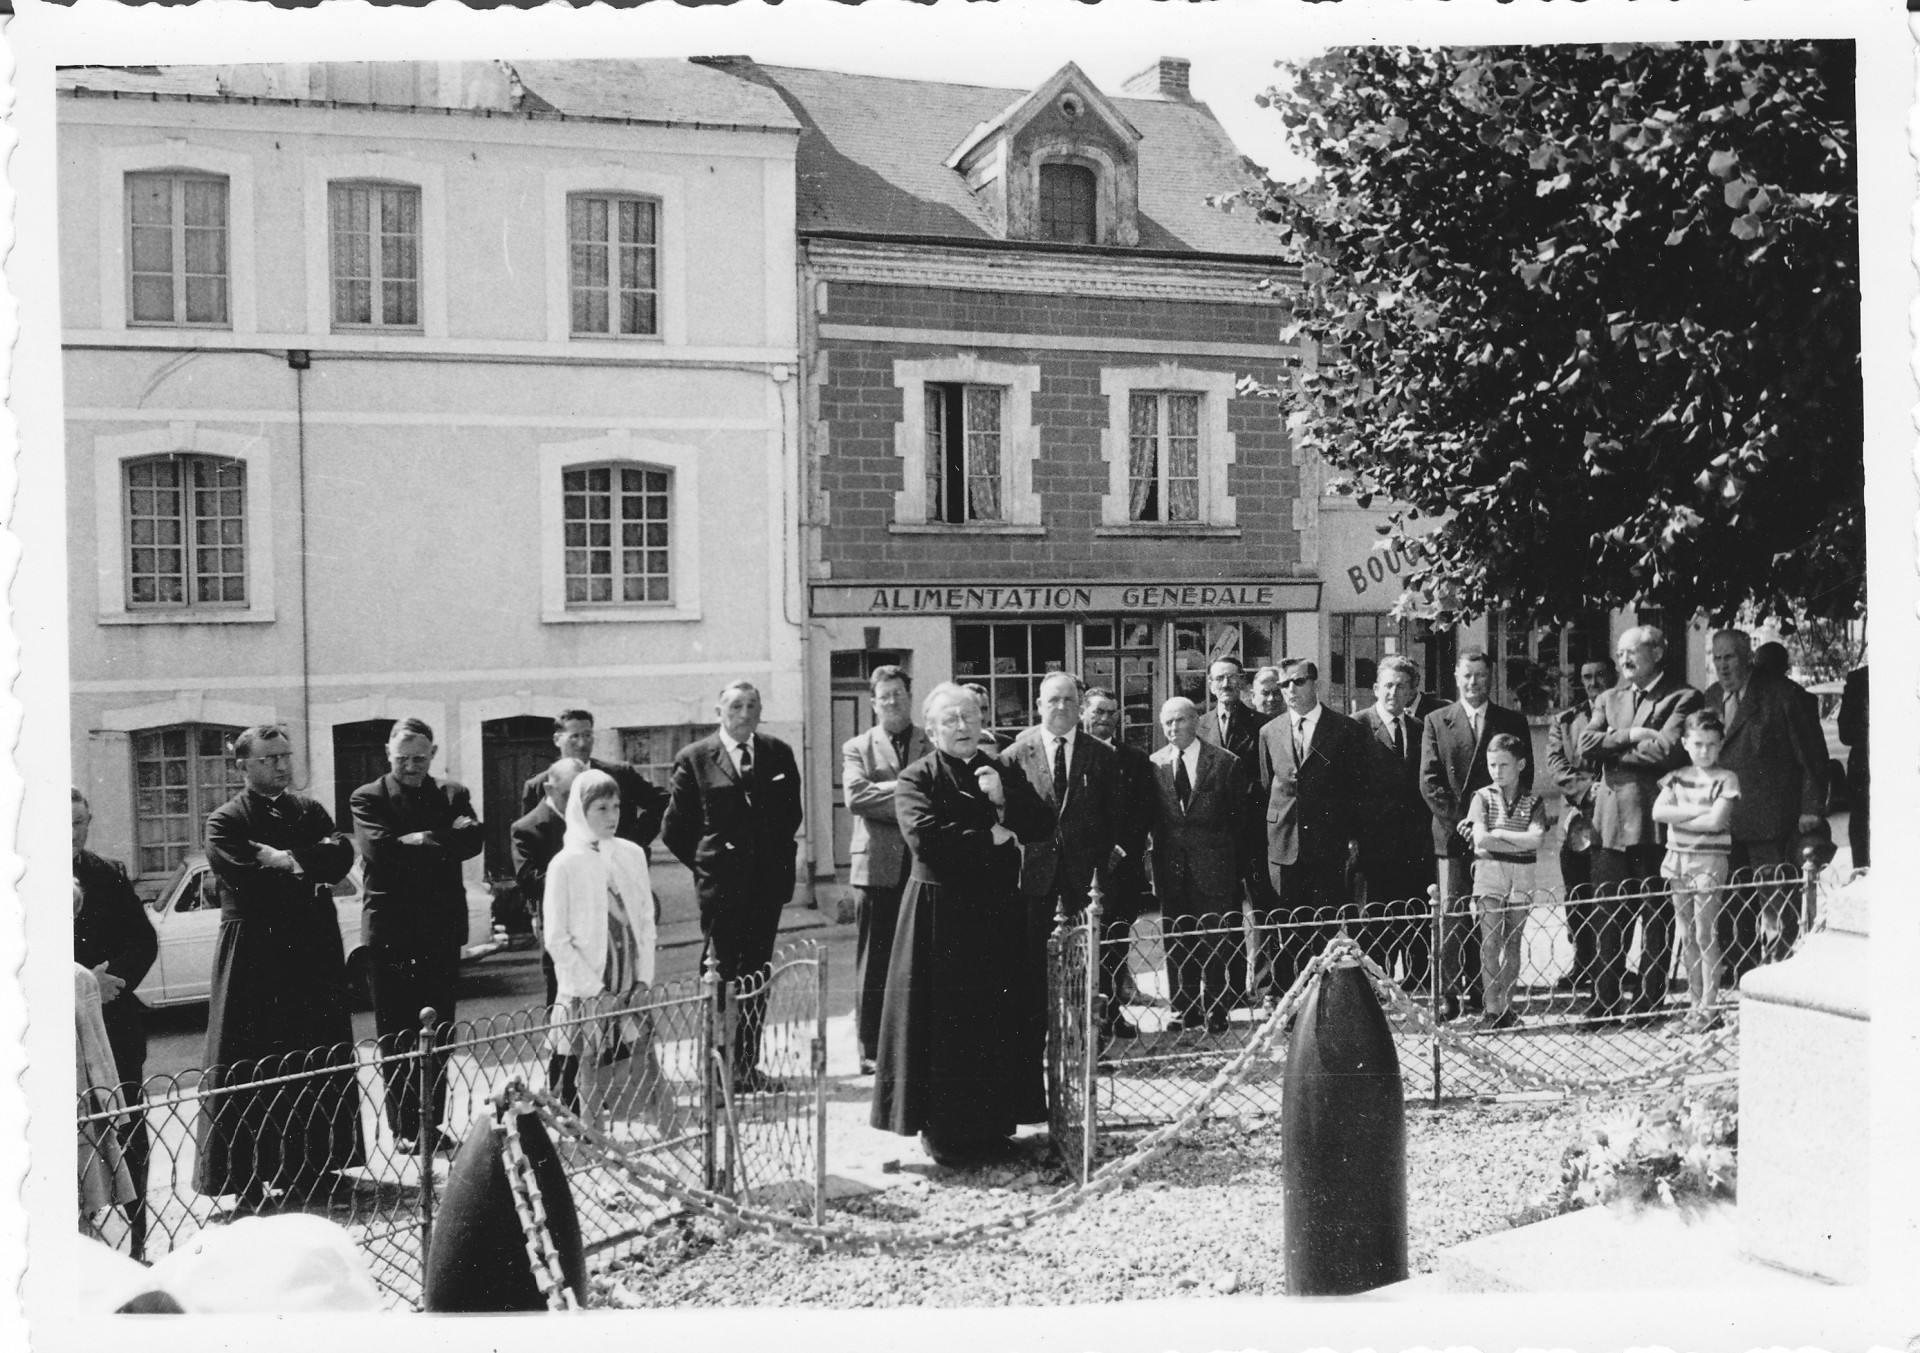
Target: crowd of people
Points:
(1267, 806)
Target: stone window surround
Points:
(1107, 226)
(621, 447)
(110, 453)
(321, 172)
(1219, 512)
(1019, 445)
(668, 191)
(176, 155)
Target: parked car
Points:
(186, 917)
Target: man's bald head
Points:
(560, 778)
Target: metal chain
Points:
(527, 1201)
(1341, 950)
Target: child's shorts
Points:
(1698, 868)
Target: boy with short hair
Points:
(1696, 804)
(1508, 827)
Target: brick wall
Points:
(859, 406)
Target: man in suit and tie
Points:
(1575, 780)
(1263, 698)
(1396, 827)
(642, 802)
(1129, 895)
(731, 819)
(1311, 771)
(1453, 767)
(1080, 777)
(1200, 794)
(1773, 742)
(536, 838)
(869, 764)
(1631, 741)
(1229, 723)
(414, 832)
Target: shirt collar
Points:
(1305, 720)
(1053, 737)
(728, 741)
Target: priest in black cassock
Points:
(279, 1005)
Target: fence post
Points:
(1809, 887)
(1090, 1062)
(820, 1086)
(1436, 977)
(712, 1032)
(429, 1138)
(1058, 1010)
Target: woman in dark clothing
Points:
(951, 1065)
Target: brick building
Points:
(1022, 328)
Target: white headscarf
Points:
(579, 833)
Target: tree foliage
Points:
(1600, 305)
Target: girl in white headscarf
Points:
(599, 931)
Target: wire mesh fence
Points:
(315, 1131)
(1586, 987)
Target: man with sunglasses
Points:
(1311, 770)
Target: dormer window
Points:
(1067, 196)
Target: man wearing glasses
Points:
(414, 832)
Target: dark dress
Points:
(279, 1004)
(951, 1062)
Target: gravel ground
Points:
(1206, 1220)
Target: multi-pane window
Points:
(964, 452)
(614, 264)
(1163, 456)
(186, 531)
(1537, 670)
(1066, 203)
(651, 750)
(177, 249)
(617, 522)
(375, 231)
(1123, 656)
(1010, 661)
(180, 774)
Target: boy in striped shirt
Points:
(1508, 827)
(1696, 804)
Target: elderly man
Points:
(536, 838)
(988, 742)
(1396, 840)
(1201, 797)
(735, 809)
(1228, 722)
(1774, 744)
(1311, 773)
(1453, 768)
(1263, 695)
(414, 833)
(642, 802)
(1575, 782)
(1129, 895)
(1079, 777)
(869, 764)
(279, 999)
(1631, 741)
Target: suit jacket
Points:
(1312, 808)
(1453, 765)
(111, 927)
(642, 802)
(416, 901)
(1243, 730)
(1774, 744)
(1087, 814)
(736, 836)
(868, 769)
(536, 838)
(1564, 766)
(1139, 805)
(1395, 822)
(1627, 774)
(1196, 846)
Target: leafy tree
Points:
(1600, 305)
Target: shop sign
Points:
(1383, 564)
(1057, 598)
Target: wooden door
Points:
(512, 751)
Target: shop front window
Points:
(1537, 669)
(1198, 644)
(1010, 661)
(1123, 656)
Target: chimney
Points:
(1164, 79)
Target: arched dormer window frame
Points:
(1115, 209)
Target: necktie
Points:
(899, 747)
(1299, 739)
(1223, 725)
(1182, 786)
(1733, 705)
(1473, 722)
(1400, 739)
(746, 759)
(1059, 769)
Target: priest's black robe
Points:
(279, 1007)
(951, 1061)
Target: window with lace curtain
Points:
(1163, 456)
(963, 458)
